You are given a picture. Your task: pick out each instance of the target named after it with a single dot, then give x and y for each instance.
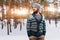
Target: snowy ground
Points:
(53, 32)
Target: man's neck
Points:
(37, 13)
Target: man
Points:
(36, 27)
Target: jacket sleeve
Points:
(44, 25)
(28, 26)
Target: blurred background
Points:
(14, 14)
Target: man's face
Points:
(34, 9)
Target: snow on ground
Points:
(53, 32)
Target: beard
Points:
(35, 12)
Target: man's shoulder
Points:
(30, 16)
